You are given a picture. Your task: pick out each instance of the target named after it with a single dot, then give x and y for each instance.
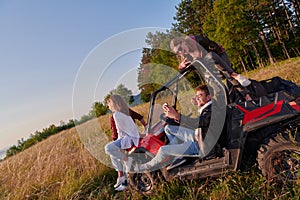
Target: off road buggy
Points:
(264, 130)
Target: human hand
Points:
(234, 75)
(170, 112)
(183, 63)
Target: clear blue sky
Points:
(44, 43)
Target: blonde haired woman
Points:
(128, 135)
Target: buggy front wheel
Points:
(143, 182)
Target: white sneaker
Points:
(120, 180)
(242, 80)
(128, 164)
(121, 187)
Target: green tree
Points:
(191, 15)
(230, 25)
(98, 109)
(121, 90)
(12, 151)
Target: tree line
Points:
(254, 33)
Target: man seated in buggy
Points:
(182, 139)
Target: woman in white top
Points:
(128, 135)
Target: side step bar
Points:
(202, 168)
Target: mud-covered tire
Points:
(142, 182)
(279, 159)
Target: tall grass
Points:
(54, 168)
(288, 69)
(60, 167)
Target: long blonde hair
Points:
(119, 104)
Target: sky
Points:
(46, 48)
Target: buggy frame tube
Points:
(176, 78)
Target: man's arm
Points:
(193, 123)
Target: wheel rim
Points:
(287, 164)
(143, 182)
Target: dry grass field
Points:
(288, 69)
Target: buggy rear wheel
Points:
(280, 159)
